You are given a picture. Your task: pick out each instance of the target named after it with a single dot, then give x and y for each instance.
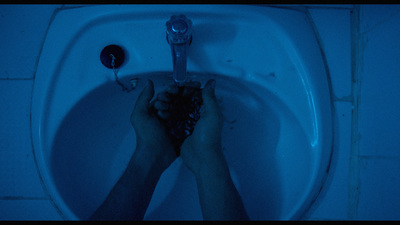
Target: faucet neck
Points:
(179, 37)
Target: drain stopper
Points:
(110, 51)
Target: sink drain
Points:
(110, 52)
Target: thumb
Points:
(208, 94)
(142, 103)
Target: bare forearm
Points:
(131, 195)
(219, 198)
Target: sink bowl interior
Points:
(95, 140)
(99, 149)
(271, 87)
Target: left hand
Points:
(151, 136)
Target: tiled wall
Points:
(379, 117)
(23, 29)
(361, 45)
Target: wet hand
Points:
(151, 136)
(163, 103)
(178, 109)
(203, 147)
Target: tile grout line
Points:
(334, 98)
(48, 197)
(55, 12)
(356, 69)
(380, 23)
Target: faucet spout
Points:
(179, 60)
(179, 37)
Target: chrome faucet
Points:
(179, 37)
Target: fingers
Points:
(209, 99)
(162, 102)
(142, 103)
(193, 84)
(162, 108)
(163, 99)
(173, 89)
(164, 114)
(191, 87)
(161, 105)
(163, 96)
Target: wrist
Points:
(214, 164)
(149, 154)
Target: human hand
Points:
(203, 147)
(179, 109)
(152, 140)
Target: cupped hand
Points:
(178, 109)
(151, 135)
(204, 145)
(163, 103)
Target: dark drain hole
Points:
(106, 56)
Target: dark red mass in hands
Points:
(185, 112)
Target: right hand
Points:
(203, 147)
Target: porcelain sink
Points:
(271, 85)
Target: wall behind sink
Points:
(362, 48)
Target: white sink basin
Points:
(271, 84)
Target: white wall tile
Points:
(18, 173)
(28, 210)
(334, 29)
(23, 29)
(379, 197)
(379, 119)
(373, 15)
(333, 200)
